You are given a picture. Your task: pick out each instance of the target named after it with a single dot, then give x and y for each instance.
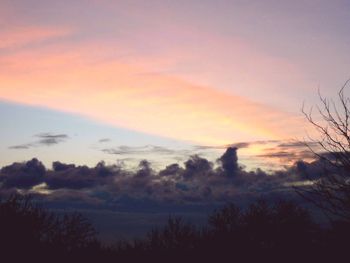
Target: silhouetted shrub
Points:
(266, 229)
(27, 229)
(280, 231)
(262, 230)
(175, 235)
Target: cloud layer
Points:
(196, 182)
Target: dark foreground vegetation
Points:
(279, 232)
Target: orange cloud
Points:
(118, 93)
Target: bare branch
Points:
(331, 193)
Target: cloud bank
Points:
(196, 182)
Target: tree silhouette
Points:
(262, 227)
(175, 235)
(331, 192)
(263, 230)
(27, 228)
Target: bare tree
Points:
(331, 146)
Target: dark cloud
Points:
(70, 176)
(297, 144)
(44, 139)
(145, 169)
(148, 149)
(290, 151)
(229, 161)
(49, 139)
(288, 156)
(21, 146)
(279, 154)
(196, 181)
(239, 145)
(58, 166)
(197, 166)
(172, 169)
(103, 140)
(23, 175)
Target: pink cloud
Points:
(72, 79)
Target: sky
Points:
(121, 81)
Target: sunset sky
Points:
(83, 81)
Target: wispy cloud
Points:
(238, 145)
(289, 151)
(147, 149)
(44, 139)
(21, 146)
(104, 140)
(49, 139)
